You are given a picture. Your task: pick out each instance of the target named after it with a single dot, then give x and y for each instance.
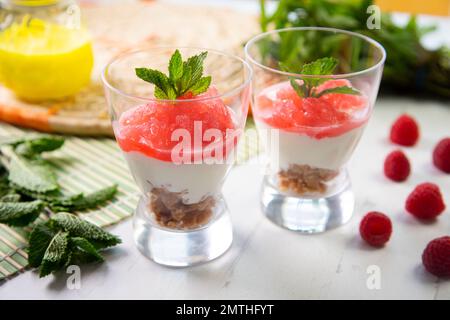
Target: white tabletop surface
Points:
(267, 262)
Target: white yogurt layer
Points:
(326, 153)
(196, 181)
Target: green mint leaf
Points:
(323, 66)
(31, 175)
(40, 142)
(62, 200)
(171, 93)
(196, 65)
(11, 197)
(32, 147)
(153, 76)
(201, 86)
(159, 94)
(20, 213)
(83, 251)
(82, 228)
(78, 257)
(5, 188)
(184, 76)
(185, 79)
(56, 254)
(7, 192)
(296, 86)
(160, 80)
(80, 202)
(95, 199)
(343, 90)
(55, 197)
(176, 67)
(40, 238)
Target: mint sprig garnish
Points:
(29, 187)
(184, 76)
(66, 239)
(323, 66)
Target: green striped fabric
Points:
(84, 165)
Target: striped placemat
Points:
(85, 165)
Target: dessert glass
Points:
(307, 186)
(179, 152)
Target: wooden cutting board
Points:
(117, 29)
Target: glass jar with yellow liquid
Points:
(45, 52)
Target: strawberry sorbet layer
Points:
(333, 114)
(149, 128)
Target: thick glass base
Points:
(308, 214)
(182, 248)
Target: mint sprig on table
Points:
(323, 66)
(29, 187)
(66, 239)
(184, 76)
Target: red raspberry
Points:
(375, 228)
(425, 201)
(436, 257)
(441, 155)
(405, 131)
(396, 166)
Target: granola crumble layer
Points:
(304, 179)
(170, 211)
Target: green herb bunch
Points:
(28, 188)
(184, 76)
(409, 67)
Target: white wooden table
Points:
(267, 262)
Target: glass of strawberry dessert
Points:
(314, 90)
(177, 115)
